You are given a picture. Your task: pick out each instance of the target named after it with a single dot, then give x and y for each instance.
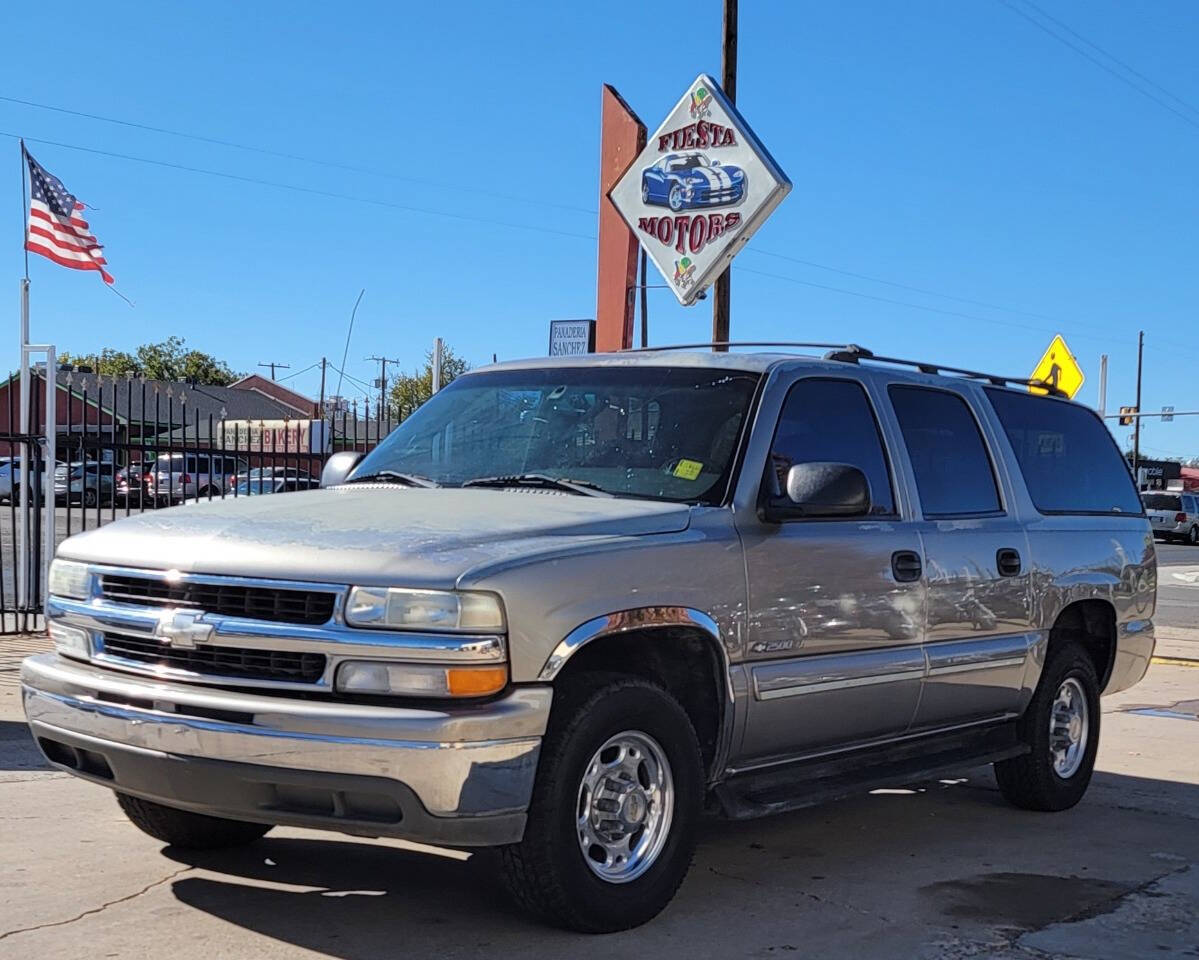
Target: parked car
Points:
(10, 480)
(569, 604)
(175, 477)
(1174, 515)
(88, 483)
(274, 480)
(128, 485)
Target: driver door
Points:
(836, 605)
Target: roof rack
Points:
(854, 354)
(712, 344)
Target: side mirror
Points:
(820, 490)
(338, 467)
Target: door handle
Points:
(906, 566)
(1008, 562)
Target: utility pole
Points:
(728, 80)
(437, 357)
(272, 364)
(320, 411)
(1103, 385)
(644, 304)
(383, 362)
(1136, 429)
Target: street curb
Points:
(1176, 661)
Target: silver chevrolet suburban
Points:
(569, 606)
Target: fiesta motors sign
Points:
(698, 191)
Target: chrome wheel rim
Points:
(675, 198)
(1069, 727)
(625, 806)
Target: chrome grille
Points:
(239, 663)
(312, 607)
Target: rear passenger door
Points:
(978, 628)
(836, 605)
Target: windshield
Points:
(258, 485)
(667, 433)
(1162, 501)
(689, 163)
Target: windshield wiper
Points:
(394, 476)
(583, 488)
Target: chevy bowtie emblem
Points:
(179, 628)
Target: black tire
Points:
(546, 872)
(89, 498)
(1031, 781)
(191, 831)
(1193, 536)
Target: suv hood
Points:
(369, 535)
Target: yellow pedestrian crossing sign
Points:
(1058, 368)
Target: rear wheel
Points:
(181, 828)
(611, 828)
(89, 498)
(1193, 536)
(1061, 728)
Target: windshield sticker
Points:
(688, 469)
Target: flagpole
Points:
(23, 552)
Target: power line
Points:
(265, 151)
(1111, 56)
(312, 191)
(300, 373)
(1100, 64)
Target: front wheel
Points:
(1061, 728)
(193, 831)
(611, 827)
(1193, 536)
(89, 498)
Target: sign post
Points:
(699, 190)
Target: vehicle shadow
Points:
(17, 749)
(893, 871)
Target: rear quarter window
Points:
(1069, 461)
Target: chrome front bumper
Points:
(459, 776)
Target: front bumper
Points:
(461, 776)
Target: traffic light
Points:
(1126, 416)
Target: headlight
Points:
(400, 609)
(70, 579)
(420, 680)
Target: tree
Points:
(110, 363)
(167, 360)
(409, 391)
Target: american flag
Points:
(55, 229)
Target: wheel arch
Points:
(679, 648)
(1091, 623)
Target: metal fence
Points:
(128, 453)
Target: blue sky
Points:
(951, 147)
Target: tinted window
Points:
(953, 471)
(1161, 501)
(1069, 460)
(831, 420)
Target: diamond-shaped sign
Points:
(698, 191)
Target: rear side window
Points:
(954, 476)
(1069, 460)
(831, 420)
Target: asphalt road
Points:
(1177, 586)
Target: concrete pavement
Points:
(931, 870)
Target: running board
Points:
(806, 783)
